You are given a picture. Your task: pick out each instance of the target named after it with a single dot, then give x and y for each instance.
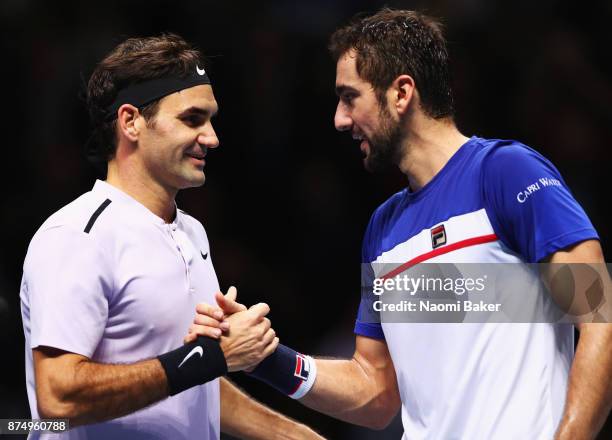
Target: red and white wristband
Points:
(304, 364)
(288, 371)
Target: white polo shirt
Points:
(106, 278)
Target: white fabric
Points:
(306, 386)
(458, 228)
(473, 380)
(124, 292)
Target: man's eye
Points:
(348, 98)
(193, 121)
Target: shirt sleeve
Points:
(530, 206)
(368, 321)
(68, 287)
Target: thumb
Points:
(228, 303)
(260, 310)
(231, 294)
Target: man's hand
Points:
(228, 302)
(250, 339)
(247, 336)
(210, 321)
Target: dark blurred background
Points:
(286, 199)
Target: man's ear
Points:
(127, 117)
(404, 90)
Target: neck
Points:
(137, 184)
(427, 148)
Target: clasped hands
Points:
(245, 334)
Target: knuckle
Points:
(202, 308)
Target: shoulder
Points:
(74, 216)
(70, 226)
(503, 155)
(82, 213)
(388, 209)
(381, 218)
(513, 166)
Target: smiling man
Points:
(465, 202)
(111, 280)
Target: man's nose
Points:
(342, 119)
(208, 137)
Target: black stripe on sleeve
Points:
(96, 214)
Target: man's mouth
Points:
(364, 145)
(197, 158)
(197, 153)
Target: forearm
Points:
(256, 421)
(589, 395)
(354, 391)
(98, 392)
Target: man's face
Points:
(365, 116)
(173, 144)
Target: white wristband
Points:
(311, 367)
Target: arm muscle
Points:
(362, 390)
(589, 393)
(71, 386)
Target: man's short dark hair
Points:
(395, 42)
(133, 61)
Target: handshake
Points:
(245, 335)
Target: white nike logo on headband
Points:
(200, 71)
(198, 350)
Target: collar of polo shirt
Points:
(110, 190)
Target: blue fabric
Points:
(529, 204)
(450, 193)
(278, 370)
(530, 207)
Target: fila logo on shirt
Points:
(301, 367)
(438, 236)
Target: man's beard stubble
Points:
(385, 145)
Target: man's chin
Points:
(376, 164)
(199, 182)
(193, 181)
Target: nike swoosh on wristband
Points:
(204, 255)
(200, 71)
(198, 350)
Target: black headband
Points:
(144, 93)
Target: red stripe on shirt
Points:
(441, 251)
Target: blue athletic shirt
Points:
(528, 204)
(495, 201)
